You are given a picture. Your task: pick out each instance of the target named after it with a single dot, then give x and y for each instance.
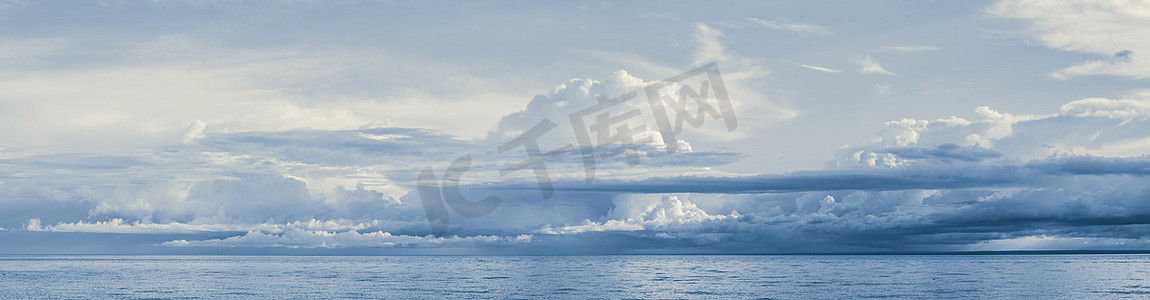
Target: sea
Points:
(580, 277)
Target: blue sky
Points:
(303, 127)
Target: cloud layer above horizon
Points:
(236, 128)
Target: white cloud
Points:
(299, 238)
(1116, 29)
(560, 103)
(739, 74)
(588, 226)
(906, 48)
(239, 187)
(710, 48)
(195, 131)
(807, 219)
(782, 25)
(33, 225)
(671, 210)
(1108, 108)
(1097, 126)
(251, 168)
(174, 80)
(118, 225)
(868, 65)
(668, 213)
(345, 184)
(1047, 242)
(1102, 27)
(573, 96)
(152, 104)
(818, 68)
(1136, 67)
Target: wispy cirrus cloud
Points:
(905, 48)
(817, 68)
(800, 28)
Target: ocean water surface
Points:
(755, 277)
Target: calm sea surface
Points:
(785, 277)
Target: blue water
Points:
(189, 277)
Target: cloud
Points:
(782, 25)
(241, 160)
(198, 186)
(669, 211)
(711, 48)
(868, 65)
(151, 104)
(945, 184)
(818, 68)
(1102, 27)
(195, 131)
(359, 147)
(299, 238)
(33, 225)
(247, 198)
(117, 225)
(561, 103)
(1124, 66)
(1096, 207)
(1117, 30)
(573, 96)
(920, 184)
(1047, 242)
(267, 180)
(233, 142)
(740, 74)
(998, 182)
(945, 152)
(143, 90)
(833, 180)
(1098, 126)
(994, 182)
(906, 48)
(918, 169)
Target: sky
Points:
(500, 127)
